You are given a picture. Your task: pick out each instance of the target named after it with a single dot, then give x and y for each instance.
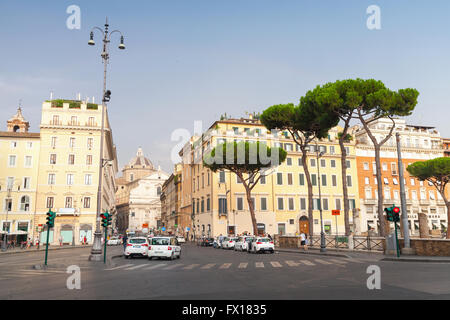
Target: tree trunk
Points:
(344, 180)
(447, 203)
(382, 230)
(310, 192)
(252, 209)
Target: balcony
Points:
(370, 201)
(424, 202)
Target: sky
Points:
(193, 60)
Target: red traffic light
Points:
(102, 216)
(396, 209)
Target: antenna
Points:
(51, 95)
(93, 99)
(79, 96)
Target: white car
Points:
(261, 244)
(164, 247)
(113, 241)
(228, 242)
(242, 243)
(181, 240)
(136, 246)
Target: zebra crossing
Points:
(240, 265)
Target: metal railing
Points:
(359, 243)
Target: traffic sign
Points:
(163, 228)
(335, 212)
(187, 228)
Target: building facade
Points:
(418, 143)
(218, 202)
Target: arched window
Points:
(25, 203)
(158, 191)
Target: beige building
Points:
(19, 156)
(69, 157)
(217, 200)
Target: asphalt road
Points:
(207, 273)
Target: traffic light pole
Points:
(46, 245)
(104, 251)
(396, 240)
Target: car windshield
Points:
(264, 240)
(137, 241)
(233, 239)
(160, 242)
(249, 239)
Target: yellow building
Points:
(19, 156)
(218, 200)
(68, 176)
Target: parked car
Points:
(207, 242)
(181, 239)
(136, 246)
(228, 242)
(164, 247)
(114, 241)
(242, 243)
(261, 244)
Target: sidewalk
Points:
(42, 248)
(406, 258)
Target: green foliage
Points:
(92, 106)
(244, 157)
(347, 138)
(74, 105)
(437, 169)
(57, 103)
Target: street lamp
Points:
(96, 252)
(9, 202)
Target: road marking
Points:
(120, 267)
(322, 261)
(155, 266)
(173, 266)
(307, 262)
(225, 266)
(291, 263)
(338, 261)
(275, 264)
(353, 260)
(136, 267)
(259, 264)
(243, 265)
(208, 266)
(192, 266)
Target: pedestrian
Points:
(60, 240)
(125, 239)
(303, 241)
(268, 235)
(29, 243)
(84, 239)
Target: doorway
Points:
(304, 225)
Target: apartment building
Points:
(218, 202)
(19, 156)
(446, 146)
(68, 178)
(418, 143)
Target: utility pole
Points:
(407, 243)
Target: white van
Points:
(164, 247)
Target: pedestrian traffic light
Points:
(106, 219)
(51, 218)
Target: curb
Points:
(415, 260)
(40, 250)
(315, 253)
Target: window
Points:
(240, 203)
(291, 203)
(300, 162)
(289, 161)
(208, 204)
(28, 160)
(396, 194)
(347, 150)
(222, 177)
(387, 194)
(338, 204)
(26, 183)
(331, 149)
(349, 181)
(158, 191)
(386, 180)
(73, 120)
(202, 204)
(394, 168)
(414, 194)
(366, 166)
(313, 162)
(323, 163)
(71, 142)
(50, 201)
(289, 175)
(368, 194)
(223, 205)
(132, 178)
(324, 180)
(334, 180)
(86, 202)
(395, 181)
(208, 177)
(333, 163)
(56, 120)
(13, 144)
(238, 180)
(262, 180)
(68, 203)
(325, 204)
(89, 159)
(70, 179)
(432, 197)
(313, 179)
(53, 158)
(51, 178)
(351, 204)
(316, 204)
(53, 142)
(10, 183)
(385, 167)
(203, 180)
(279, 178)
(91, 121)
(301, 177)
(366, 180)
(90, 142)
(280, 204)
(12, 161)
(263, 204)
(288, 146)
(88, 179)
(374, 166)
(302, 204)
(25, 203)
(71, 159)
(347, 164)
(413, 182)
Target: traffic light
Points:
(396, 211)
(51, 218)
(106, 219)
(393, 213)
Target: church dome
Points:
(139, 161)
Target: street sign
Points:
(335, 212)
(187, 228)
(163, 228)
(176, 226)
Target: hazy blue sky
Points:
(190, 60)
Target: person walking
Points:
(84, 240)
(125, 239)
(303, 238)
(60, 240)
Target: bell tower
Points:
(17, 123)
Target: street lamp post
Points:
(96, 252)
(322, 235)
(5, 243)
